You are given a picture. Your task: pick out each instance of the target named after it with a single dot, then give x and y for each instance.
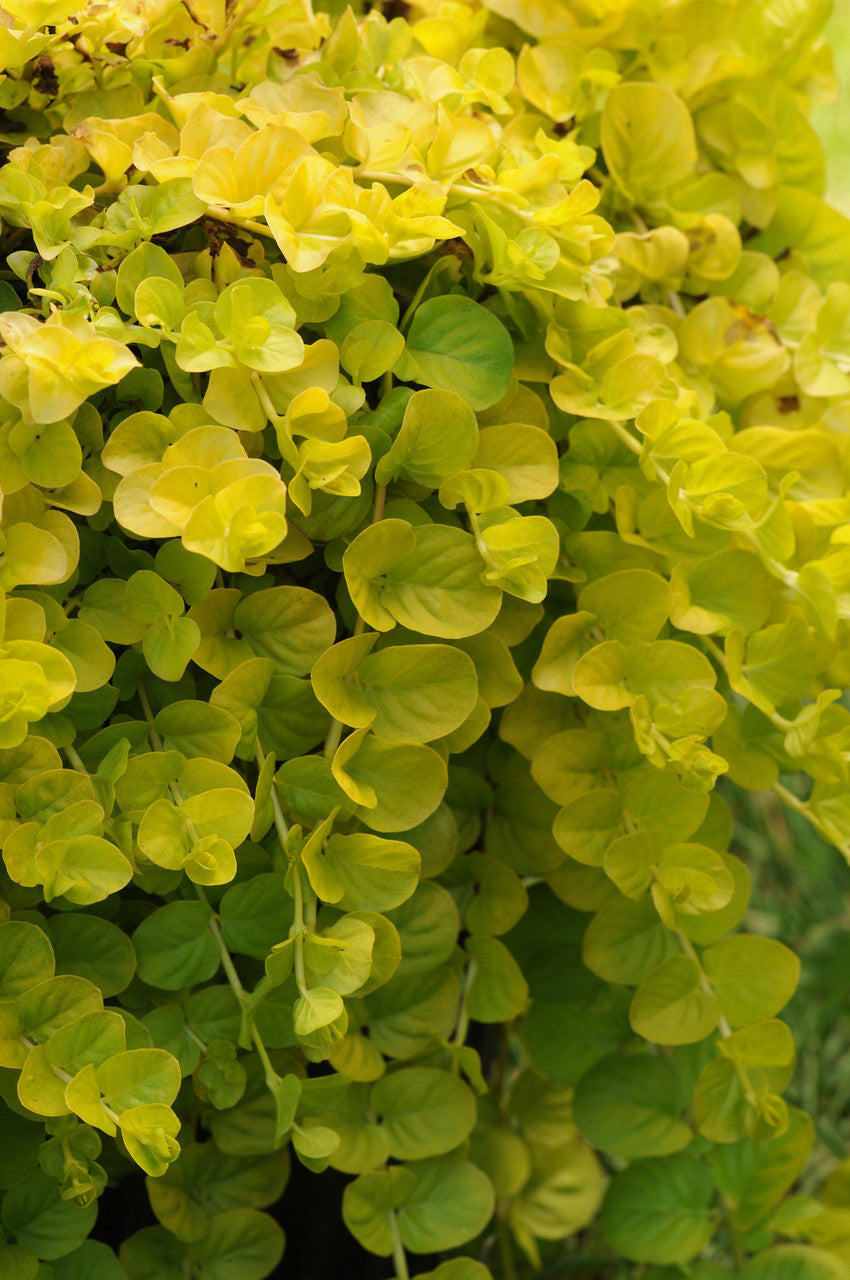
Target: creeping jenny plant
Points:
(425, 472)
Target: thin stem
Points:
(399, 1256)
(298, 929)
(380, 502)
(493, 193)
(297, 888)
(705, 986)
(226, 958)
(75, 758)
(778, 721)
(462, 1026)
(66, 1077)
(265, 400)
(332, 740)
(238, 17)
(820, 825)
(156, 740)
(271, 1075)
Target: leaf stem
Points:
(226, 958)
(156, 740)
(297, 889)
(399, 1256)
(462, 1025)
(705, 986)
(820, 825)
(75, 758)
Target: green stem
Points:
(462, 1025)
(265, 400)
(705, 986)
(298, 926)
(75, 758)
(226, 958)
(820, 825)
(156, 740)
(66, 1077)
(399, 1256)
(239, 16)
(332, 740)
(271, 1075)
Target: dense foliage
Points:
(424, 455)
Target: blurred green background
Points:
(833, 122)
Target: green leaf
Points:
(794, 1262)
(19, 1262)
(427, 577)
(670, 1006)
(153, 1251)
(438, 436)
(525, 456)
(451, 1203)
(457, 1269)
(26, 958)
(91, 1259)
(630, 1108)
(500, 896)
(428, 925)
(367, 1203)
(175, 947)
(756, 1175)
(241, 1244)
(659, 1210)
(752, 977)
(199, 730)
(630, 605)
(362, 872)
(256, 914)
(309, 788)
(169, 646)
(395, 785)
(315, 1009)
(20, 1141)
(289, 625)
(147, 263)
(410, 1011)
(497, 992)
(425, 1112)
(406, 693)
(625, 941)
(35, 1213)
(562, 1193)
(566, 1037)
(457, 345)
(53, 1003)
(647, 138)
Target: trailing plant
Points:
(423, 443)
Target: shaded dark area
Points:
(123, 1209)
(318, 1246)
